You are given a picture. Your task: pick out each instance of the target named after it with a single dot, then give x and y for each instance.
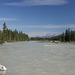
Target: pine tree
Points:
(0, 36)
(69, 35)
(63, 37)
(66, 35)
(4, 31)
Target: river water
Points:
(34, 58)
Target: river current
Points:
(35, 58)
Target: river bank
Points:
(54, 42)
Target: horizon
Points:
(37, 17)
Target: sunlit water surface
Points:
(34, 58)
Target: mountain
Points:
(49, 35)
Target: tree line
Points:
(66, 36)
(69, 35)
(9, 35)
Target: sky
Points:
(38, 17)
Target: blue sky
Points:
(38, 17)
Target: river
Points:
(35, 58)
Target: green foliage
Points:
(0, 36)
(72, 35)
(4, 31)
(39, 39)
(56, 38)
(9, 35)
(65, 37)
(69, 35)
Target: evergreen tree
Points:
(9, 35)
(66, 35)
(69, 35)
(0, 36)
(4, 31)
(72, 35)
(63, 37)
(16, 35)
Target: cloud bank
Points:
(50, 26)
(38, 2)
(41, 26)
(7, 19)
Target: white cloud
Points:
(41, 26)
(38, 2)
(50, 26)
(60, 26)
(7, 19)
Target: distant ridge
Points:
(49, 35)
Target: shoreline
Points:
(46, 41)
(55, 42)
